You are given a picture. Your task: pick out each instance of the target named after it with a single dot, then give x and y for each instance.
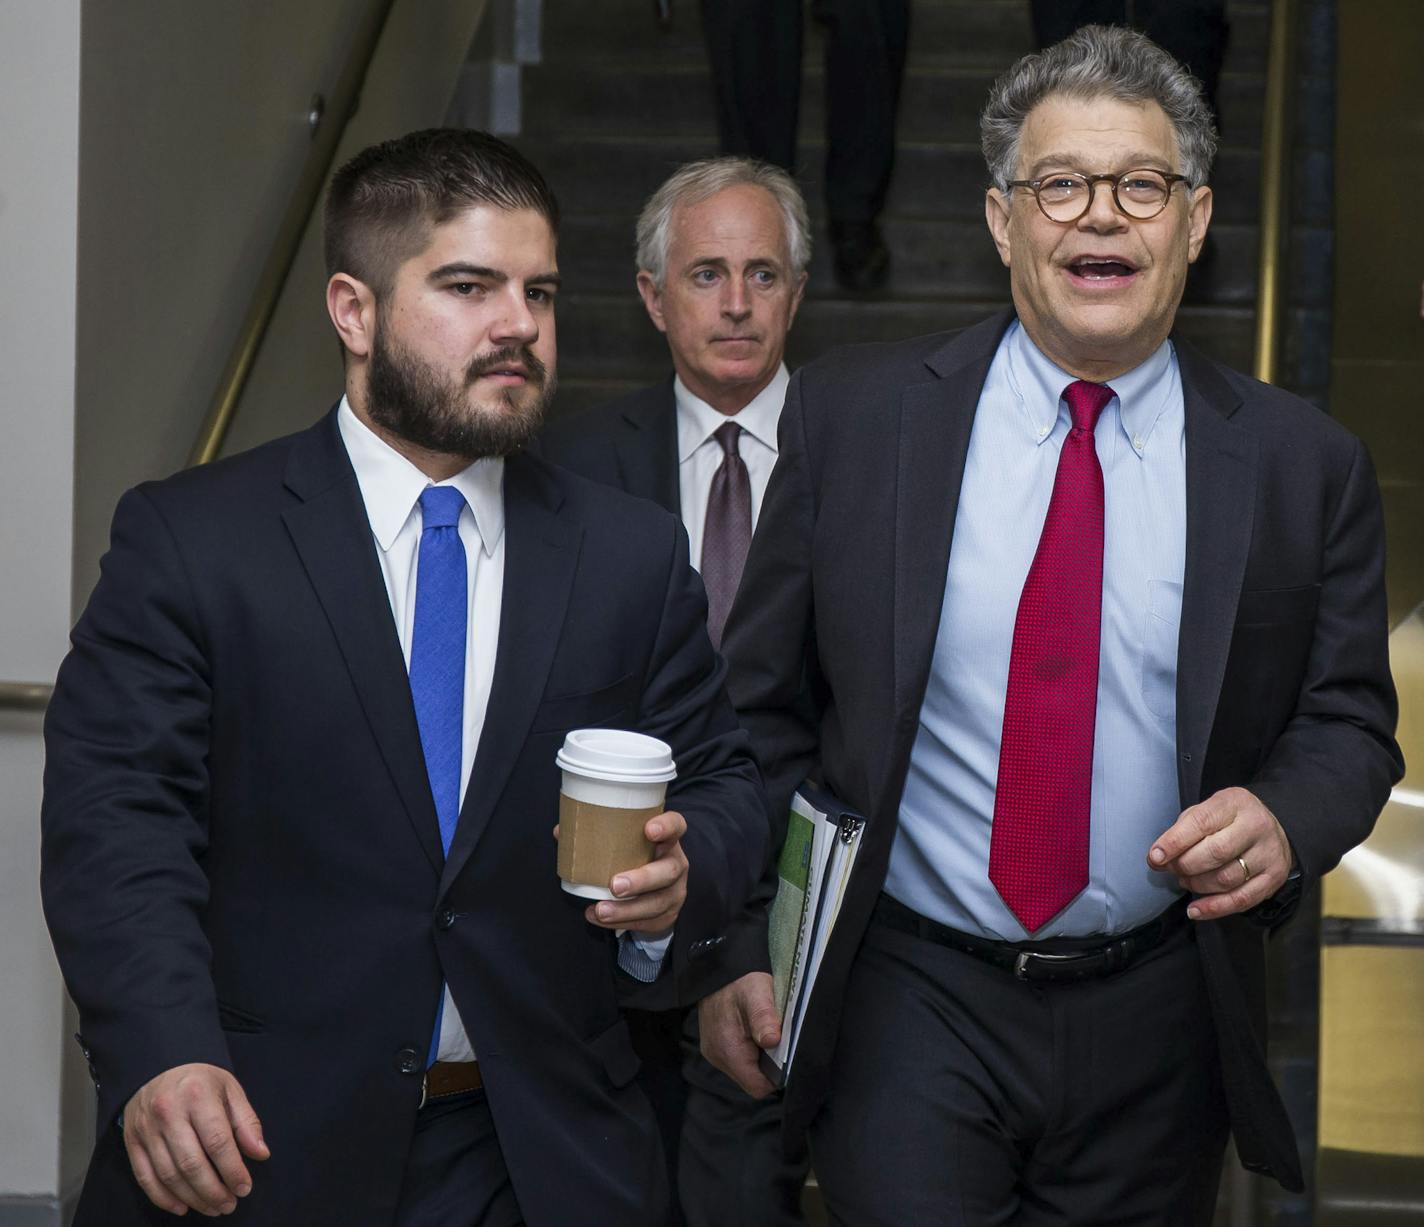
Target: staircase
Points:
(618, 101)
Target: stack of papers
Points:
(822, 841)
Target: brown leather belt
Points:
(447, 1078)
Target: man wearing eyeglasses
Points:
(1092, 630)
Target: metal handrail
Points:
(328, 119)
(25, 696)
(1275, 128)
(1274, 152)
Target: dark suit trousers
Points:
(455, 1174)
(656, 1036)
(754, 48)
(733, 1168)
(960, 1095)
(1194, 31)
(724, 1149)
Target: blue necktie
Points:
(437, 661)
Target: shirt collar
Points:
(391, 486)
(696, 419)
(1143, 393)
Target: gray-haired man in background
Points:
(723, 248)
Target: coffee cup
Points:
(613, 782)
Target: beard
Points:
(421, 404)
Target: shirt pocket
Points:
(1159, 647)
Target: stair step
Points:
(970, 32)
(604, 336)
(576, 395)
(608, 337)
(963, 32)
(929, 259)
(675, 99)
(619, 102)
(614, 177)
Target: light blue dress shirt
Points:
(940, 862)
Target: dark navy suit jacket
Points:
(630, 443)
(1283, 683)
(241, 858)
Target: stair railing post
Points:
(1275, 141)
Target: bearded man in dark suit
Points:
(301, 791)
(1092, 630)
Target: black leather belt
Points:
(1057, 960)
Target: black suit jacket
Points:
(1283, 682)
(630, 443)
(241, 857)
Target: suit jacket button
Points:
(446, 920)
(408, 1061)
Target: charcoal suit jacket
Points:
(242, 862)
(1283, 684)
(630, 443)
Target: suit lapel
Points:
(540, 554)
(1221, 501)
(646, 447)
(936, 420)
(332, 534)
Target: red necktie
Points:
(1038, 856)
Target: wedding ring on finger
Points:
(1245, 870)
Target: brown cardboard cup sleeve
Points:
(614, 780)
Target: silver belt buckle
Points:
(1021, 964)
(424, 1090)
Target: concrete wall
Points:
(297, 375)
(39, 149)
(194, 136)
(150, 152)
(185, 179)
(1377, 365)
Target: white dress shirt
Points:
(699, 455)
(391, 488)
(939, 865)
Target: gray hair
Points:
(699, 181)
(1098, 62)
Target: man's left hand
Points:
(1229, 851)
(736, 1024)
(648, 899)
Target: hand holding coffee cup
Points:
(616, 843)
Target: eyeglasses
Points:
(1140, 194)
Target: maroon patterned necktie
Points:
(1038, 855)
(727, 531)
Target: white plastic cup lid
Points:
(618, 755)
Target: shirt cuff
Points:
(642, 957)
